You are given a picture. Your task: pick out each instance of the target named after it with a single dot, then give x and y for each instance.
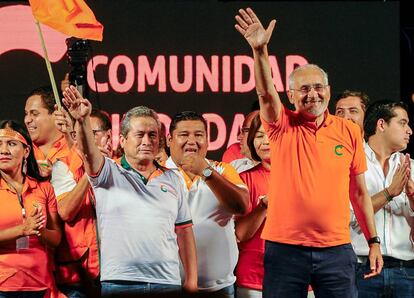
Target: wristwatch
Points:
(375, 239)
(206, 173)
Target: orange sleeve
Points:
(50, 199)
(359, 162)
(272, 129)
(231, 174)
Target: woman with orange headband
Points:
(28, 217)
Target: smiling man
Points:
(77, 264)
(215, 194)
(307, 227)
(49, 143)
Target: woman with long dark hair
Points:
(28, 217)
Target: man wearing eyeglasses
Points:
(245, 163)
(317, 167)
(102, 131)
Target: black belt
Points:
(390, 262)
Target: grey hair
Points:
(140, 111)
(303, 67)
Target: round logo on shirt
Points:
(338, 150)
(163, 188)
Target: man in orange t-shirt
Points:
(317, 167)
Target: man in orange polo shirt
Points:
(317, 167)
(77, 261)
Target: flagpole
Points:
(49, 66)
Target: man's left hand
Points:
(375, 261)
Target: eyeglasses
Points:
(305, 89)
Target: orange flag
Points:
(71, 17)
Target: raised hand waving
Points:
(78, 106)
(249, 25)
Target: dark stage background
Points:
(357, 43)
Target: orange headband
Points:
(10, 133)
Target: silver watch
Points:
(206, 173)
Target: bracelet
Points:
(387, 195)
(411, 194)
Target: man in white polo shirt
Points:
(144, 222)
(216, 193)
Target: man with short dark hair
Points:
(351, 105)
(390, 184)
(215, 194)
(77, 260)
(49, 143)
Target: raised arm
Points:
(64, 124)
(258, 37)
(80, 109)
(362, 205)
